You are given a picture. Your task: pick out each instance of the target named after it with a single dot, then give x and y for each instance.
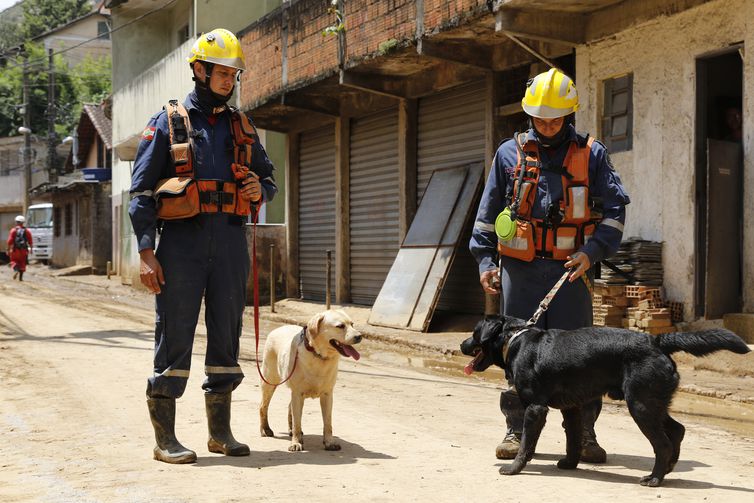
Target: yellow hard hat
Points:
(220, 47)
(550, 95)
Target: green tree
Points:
(90, 82)
(87, 82)
(44, 15)
(10, 28)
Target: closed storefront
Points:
(451, 132)
(373, 203)
(316, 210)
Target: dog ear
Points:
(313, 326)
(490, 329)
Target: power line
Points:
(134, 20)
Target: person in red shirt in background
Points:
(19, 245)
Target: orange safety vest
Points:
(184, 196)
(576, 223)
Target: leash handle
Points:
(255, 281)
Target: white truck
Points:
(39, 223)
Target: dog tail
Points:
(701, 343)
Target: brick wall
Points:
(441, 14)
(312, 55)
(261, 46)
(369, 23)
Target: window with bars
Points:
(618, 113)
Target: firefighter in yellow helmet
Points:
(565, 210)
(208, 158)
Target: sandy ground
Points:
(74, 425)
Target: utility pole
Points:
(27, 136)
(52, 169)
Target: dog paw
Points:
(296, 447)
(567, 464)
(650, 481)
(266, 432)
(513, 469)
(332, 446)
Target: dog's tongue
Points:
(351, 351)
(469, 368)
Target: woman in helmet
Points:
(218, 170)
(19, 244)
(548, 180)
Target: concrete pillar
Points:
(292, 153)
(342, 210)
(407, 130)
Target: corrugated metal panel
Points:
(451, 133)
(316, 211)
(373, 202)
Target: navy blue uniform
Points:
(201, 257)
(525, 284)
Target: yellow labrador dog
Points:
(319, 346)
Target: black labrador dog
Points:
(566, 369)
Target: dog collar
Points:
(309, 347)
(507, 345)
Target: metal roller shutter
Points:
(316, 211)
(373, 203)
(451, 133)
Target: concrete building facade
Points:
(149, 68)
(654, 78)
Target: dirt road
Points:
(74, 426)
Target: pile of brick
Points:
(635, 307)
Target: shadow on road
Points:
(349, 453)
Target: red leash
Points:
(255, 277)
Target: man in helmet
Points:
(199, 171)
(19, 244)
(564, 210)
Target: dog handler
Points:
(552, 201)
(198, 170)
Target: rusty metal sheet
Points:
(410, 292)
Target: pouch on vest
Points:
(181, 155)
(217, 196)
(521, 246)
(577, 204)
(177, 198)
(564, 241)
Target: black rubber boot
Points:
(513, 411)
(168, 448)
(21, 276)
(218, 418)
(591, 452)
